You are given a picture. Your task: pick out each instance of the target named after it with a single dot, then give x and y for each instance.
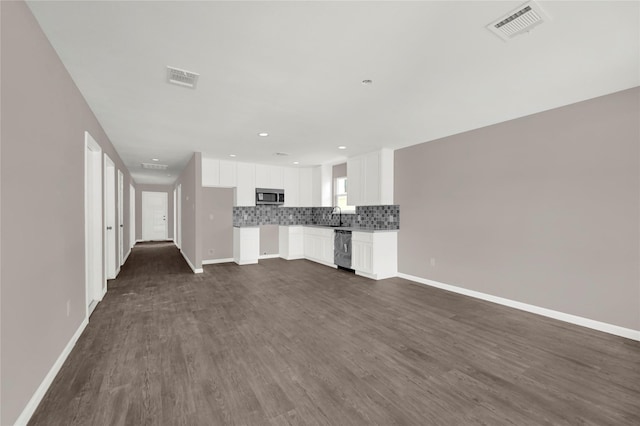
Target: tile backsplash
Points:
(373, 217)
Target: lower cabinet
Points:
(318, 245)
(375, 254)
(246, 245)
(291, 242)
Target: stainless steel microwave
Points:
(269, 196)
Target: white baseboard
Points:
(246, 262)
(573, 319)
(140, 241)
(214, 261)
(126, 256)
(269, 256)
(193, 268)
(33, 403)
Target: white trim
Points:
(193, 268)
(214, 261)
(573, 319)
(269, 256)
(247, 262)
(139, 241)
(35, 400)
(312, 259)
(126, 256)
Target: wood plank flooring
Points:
(297, 343)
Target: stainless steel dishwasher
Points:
(342, 248)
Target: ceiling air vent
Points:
(519, 21)
(182, 77)
(154, 166)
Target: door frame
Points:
(109, 217)
(120, 220)
(179, 218)
(93, 244)
(132, 217)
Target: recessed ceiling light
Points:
(296, 162)
(155, 159)
(263, 134)
(169, 174)
(367, 82)
(281, 154)
(232, 155)
(342, 147)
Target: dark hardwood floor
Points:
(293, 342)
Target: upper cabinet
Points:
(298, 183)
(221, 173)
(271, 177)
(370, 178)
(246, 185)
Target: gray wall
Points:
(542, 210)
(154, 188)
(217, 223)
(191, 193)
(44, 118)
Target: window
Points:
(340, 195)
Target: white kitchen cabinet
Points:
(305, 177)
(245, 194)
(270, 177)
(318, 245)
(375, 254)
(355, 181)
(246, 245)
(228, 172)
(370, 178)
(291, 242)
(210, 172)
(291, 187)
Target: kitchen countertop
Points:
(349, 228)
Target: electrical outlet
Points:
(68, 307)
(433, 261)
(290, 217)
(359, 218)
(245, 216)
(391, 218)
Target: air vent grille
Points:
(154, 166)
(182, 77)
(519, 21)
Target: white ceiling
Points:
(294, 70)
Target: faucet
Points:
(339, 212)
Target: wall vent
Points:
(182, 77)
(519, 21)
(154, 166)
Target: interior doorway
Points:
(120, 219)
(154, 216)
(94, 277)
(132, 216)
(110, 248)
(179, 217)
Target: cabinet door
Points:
(362, 256)
(327, 249)
(291, 187)
(227, 173)
(210, 172)
(262, 176)
(371, 179)
(246, 185)
(305, 187)
(355, 181)
(276, 178)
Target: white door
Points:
(179, 217)
(132, 216)
(154, 215)
(110, 217)
(120, 219)
(175, 239)
(93, 223)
